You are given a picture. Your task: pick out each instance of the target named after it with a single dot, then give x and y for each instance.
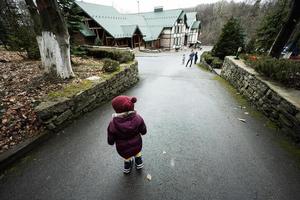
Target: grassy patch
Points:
(242, 101)
(238, 97)
(292, 149)
(26, 159)
(284, 142)
(107, 75)
(74, 88)
(271, 125)
(203, 67)
(71, 89)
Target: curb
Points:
(10, 156)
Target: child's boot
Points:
(139, 162)
(128, 166)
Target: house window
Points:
(175, 41)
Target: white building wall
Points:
(165, 38)
(175, 37)
(192, 36)
(178, 31)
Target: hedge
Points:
(118, 55)
(110, 65)
(215, 62)
(284, 71)
(208, 58)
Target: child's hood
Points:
(129, 124)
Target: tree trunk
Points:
(286, 31)
(52, 37)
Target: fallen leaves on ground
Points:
(8, 56)
(22, 86)
(86, 67)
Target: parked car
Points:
(291, 51)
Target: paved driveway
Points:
(192, 118)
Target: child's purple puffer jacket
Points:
(126, 133)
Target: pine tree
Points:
(72, 15)
(231, 38)
(271, 25)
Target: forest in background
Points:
(250, 13)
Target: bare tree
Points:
(52, 37)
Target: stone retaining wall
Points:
(54, 114)
(279, 104)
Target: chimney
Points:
(158, 9)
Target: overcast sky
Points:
(131, 6)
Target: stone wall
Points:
(281, 105)
(54, 114)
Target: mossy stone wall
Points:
(59, 109)
(277, 103)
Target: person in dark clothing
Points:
(196, 57)
(125, 130)
(191, 56)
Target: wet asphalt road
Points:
(190, 116)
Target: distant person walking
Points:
(191, 56)
(196, 57)
(183, 59)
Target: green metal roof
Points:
(84, 30)
(120, 25)
(142, 24)
(106, 16)
(165, 18)
(128, 30)
(191, 18)
(155, 22)
(196, 25)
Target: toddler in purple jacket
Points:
(125, 130)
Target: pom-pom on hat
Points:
(123, 103)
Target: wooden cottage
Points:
(104, 25)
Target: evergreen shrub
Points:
(118, 55)
(284, 71)
(208, 58)
(110, 65)
(231, 38)
(217, 63)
